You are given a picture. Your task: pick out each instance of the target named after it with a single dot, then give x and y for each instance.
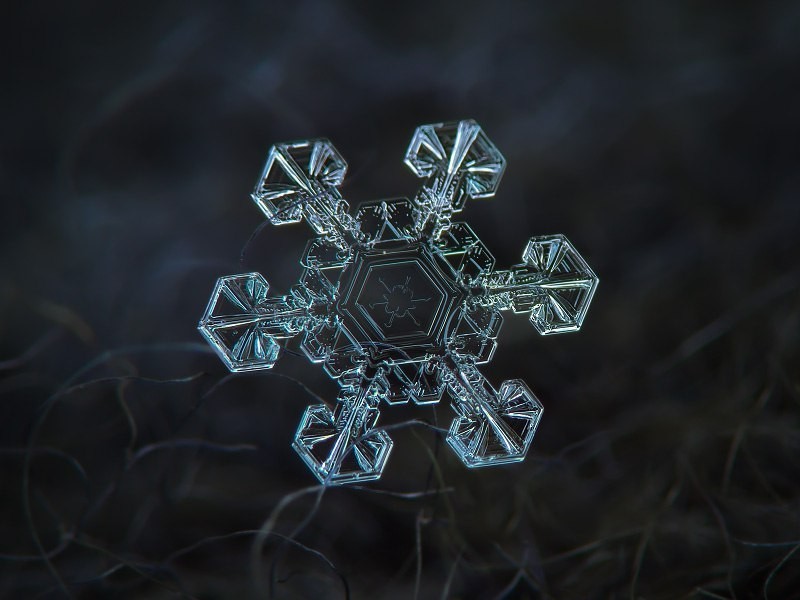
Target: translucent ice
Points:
(399, 302)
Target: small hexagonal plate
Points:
(459, 149)
(338, 457)
(234, 327)
(294, 172)
(498, 429)
(565, 288)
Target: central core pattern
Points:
(400, 297)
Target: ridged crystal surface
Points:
(399, 303)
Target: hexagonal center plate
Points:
(400, 299)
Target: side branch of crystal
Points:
(554, 285)
(398, 303)
(245, 325)
(493, 426)
(300, 181)
(458, 162)
(343, 446)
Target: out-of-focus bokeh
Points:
(662, 138)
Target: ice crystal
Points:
(399, 303)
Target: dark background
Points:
(662, 138)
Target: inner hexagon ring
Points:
(401, 298)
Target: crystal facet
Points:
(399, 303)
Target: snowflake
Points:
(399, 303)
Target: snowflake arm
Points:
(301, 181)
(554, 285)
(458, 162)
(493, 426)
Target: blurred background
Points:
(662, 138)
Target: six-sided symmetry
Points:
(398, 303)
